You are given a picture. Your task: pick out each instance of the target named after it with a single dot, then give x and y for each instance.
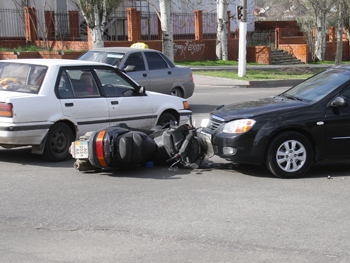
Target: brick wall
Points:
(331, 48)
(12, 43)
(259, 54)
(56, 55)
(300, 51)
(272, 25)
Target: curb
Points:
(272, 83)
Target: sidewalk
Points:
(216, 81)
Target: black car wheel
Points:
(176, 92)
(166, 118)
(58, 141)
(289, 155)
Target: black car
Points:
(289, 132)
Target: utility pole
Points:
(242, 48)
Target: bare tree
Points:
(321, 10)
(40, 27)
(164, 15)
(339, 51)
(221, 35)
(346, 17)
(307, 24)
(95, 13)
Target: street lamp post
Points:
(242, 48)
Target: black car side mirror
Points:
(340, 102)
(129, 68)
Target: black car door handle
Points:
(144, 74)
(169, 72)
(69, 104)
(114, 102)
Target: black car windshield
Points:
(318, 86)
(111, 58)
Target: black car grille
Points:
(215, 123)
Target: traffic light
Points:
(239, 12)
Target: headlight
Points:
(204, 122)
(239, 126)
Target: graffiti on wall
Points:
(189, 48)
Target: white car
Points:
(48, 103)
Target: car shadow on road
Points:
(158, 171)
(24, 156)
(320, 170)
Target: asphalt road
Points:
(51, 213)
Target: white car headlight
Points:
(239, 126)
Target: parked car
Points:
(48, 103)
(150, 68)
(288, 132)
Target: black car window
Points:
(113, 84)
(346, 93)
(136, 59)
(155, 61)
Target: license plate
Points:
(81, 150)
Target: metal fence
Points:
(12, 25)
(262, 38)
(210, 25)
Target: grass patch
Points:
(31, 48)
(257, 74)
(209, 63)
(23, 49)
(235, 63)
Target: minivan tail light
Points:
(6, 110)
(99, 146)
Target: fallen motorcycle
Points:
(121, 146)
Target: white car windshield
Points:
(24, 78)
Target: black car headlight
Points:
(239, 126)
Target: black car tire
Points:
(166, 118)
(176, 92)
(58, 141)
(289, 155)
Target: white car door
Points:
(82, 102)
(125, 104)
